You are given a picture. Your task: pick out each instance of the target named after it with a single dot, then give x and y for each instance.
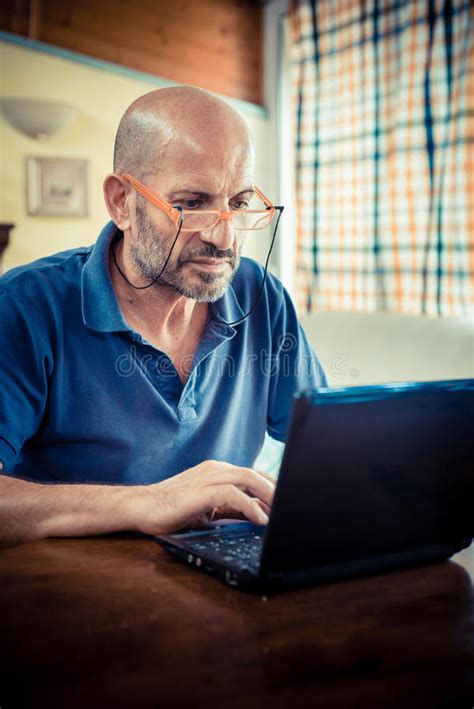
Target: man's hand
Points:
(211, 490)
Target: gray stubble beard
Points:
(149, 254)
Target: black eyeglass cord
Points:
(152, 283)
(218, 317)
(244, 317)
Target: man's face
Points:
(202, 264)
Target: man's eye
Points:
(189, 203)
(241, 204)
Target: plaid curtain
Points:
(384, 101)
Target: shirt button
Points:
(1, 464)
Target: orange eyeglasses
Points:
(203, 219)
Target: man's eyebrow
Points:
(172, 194)
(205, 195)
(246, 191)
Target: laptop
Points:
(373, 478)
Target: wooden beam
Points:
(34, 19)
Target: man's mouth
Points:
(209, 262)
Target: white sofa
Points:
(372, 348)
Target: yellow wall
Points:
(101, 97)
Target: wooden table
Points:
(115, 622)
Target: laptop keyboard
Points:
(235, 548)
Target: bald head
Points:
(183, 116)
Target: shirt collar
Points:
(100, 308)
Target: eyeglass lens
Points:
(240, 220)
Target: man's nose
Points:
(222, 235)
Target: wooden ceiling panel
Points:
(14, 16)
(215, 44)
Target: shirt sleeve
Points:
(25, 365)
(294, 367)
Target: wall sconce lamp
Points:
(36, 118)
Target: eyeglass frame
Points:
(176, 213)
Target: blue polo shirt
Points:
(84, 398)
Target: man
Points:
(133, 392)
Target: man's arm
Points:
(30, 510)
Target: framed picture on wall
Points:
(56, 187)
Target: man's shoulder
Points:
(249, 279)
(44, 292)
(53, 273)
(269, 301)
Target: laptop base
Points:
(260, 582)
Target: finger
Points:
(258, 485)
(248, 480)
(264, 506)
(229, 495)
(268, 476)
(218, 469)
(197, 521)
(227, 512)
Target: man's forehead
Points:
(205, 177)
(206, 182)
(204, 165)
(198, 149)
(209, 154)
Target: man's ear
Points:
(117, 202)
